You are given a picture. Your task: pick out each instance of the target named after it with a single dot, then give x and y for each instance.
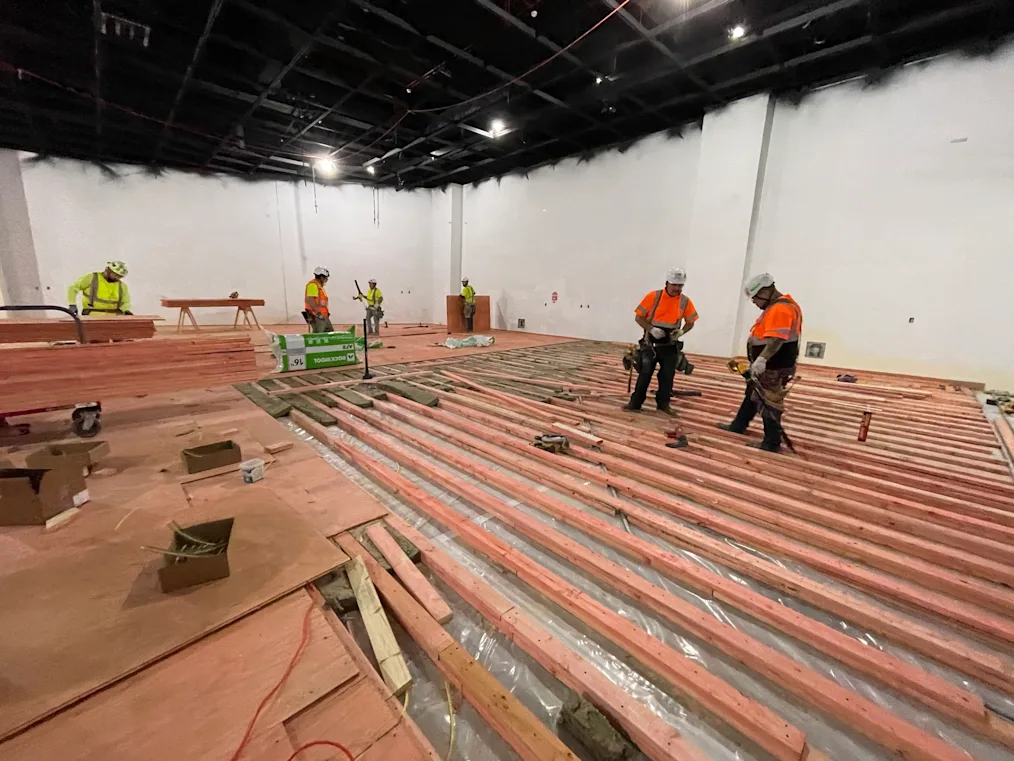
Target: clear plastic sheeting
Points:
(822, 731)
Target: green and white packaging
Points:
(314, 351)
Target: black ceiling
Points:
(412, 87)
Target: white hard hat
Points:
(756, 283)
(118, 267)
(321, 272)
(464, 280)
(373, 280)
(676, 276)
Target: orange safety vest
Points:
(781, 319)
(315, 299)
(665, 311)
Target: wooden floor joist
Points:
(956, 610)
(813, 689)
(897, 627)
(754, 721)
(409, 575)
(519, 727)
(952, 702)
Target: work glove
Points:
(73, 308)
(758, 367)
(657, 333)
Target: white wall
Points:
(601, 234)
(897, 202)
(186, 236)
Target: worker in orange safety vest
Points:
(317, 315)
(665, 316)
(773, 349)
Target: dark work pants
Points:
(665, 360)
(468, 323)
(771, 418)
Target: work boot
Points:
(729, 427)
(628, 407)
(765, 447)
(680, 443)
(668, 411)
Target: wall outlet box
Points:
(815, 350)
(521, 322)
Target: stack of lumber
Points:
(14, 331)
(35, 377)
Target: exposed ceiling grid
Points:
(418, 94)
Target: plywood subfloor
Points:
(90, 615)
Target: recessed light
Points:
(326, 166)
(408, 90)
(737, 32)
(535, 14)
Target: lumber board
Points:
(385, 646)
(96, 372)
(856, 711)
(104, 600)
(95, 329)
(194, 303)
(755, 721)
(519, 727)
(956, 610)
(173, 710)
(656, 739)
(408, 574)
(897, 674)
(989, 668)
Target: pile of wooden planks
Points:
(13, 331)
(36, 377)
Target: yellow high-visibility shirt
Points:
(468, 293)
(373, 297)
(98, 294)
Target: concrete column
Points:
(457, 227)
(730, 174)
(19, 268)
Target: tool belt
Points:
(772, 386)
(374, 311)
(632, 359)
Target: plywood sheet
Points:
(173, 710)
(94, 614)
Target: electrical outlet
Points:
(815, 350)
(521, 322)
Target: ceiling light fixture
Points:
(497, 128)
(371, 169)
(737, 32)
(598, 80)
(326, 166)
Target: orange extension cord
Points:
(264, 701)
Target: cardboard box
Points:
(179, 572)
(31, 496)
(82, 454)
(208, 456)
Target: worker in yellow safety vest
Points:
(373, 299)
(101, 291)
(316, 313)
(468, 305)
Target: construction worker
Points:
(373, 298)
(102, 291)
(315, 301)
(665, 316)
(468, 302)
(772, 348)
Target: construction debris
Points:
(552, 443)
(592, 729)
